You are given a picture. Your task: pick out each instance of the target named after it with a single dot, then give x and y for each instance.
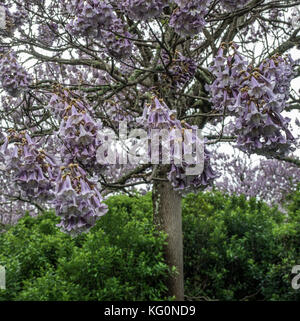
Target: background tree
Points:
(69, 69)
(270, 180)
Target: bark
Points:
(167, 216)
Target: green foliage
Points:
(239, 250)
(29, 249)
(121, 258)
(234, 249)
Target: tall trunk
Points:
(167, 218)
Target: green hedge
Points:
(233, 249)
(119, 259)
(239, 250)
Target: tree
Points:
(270, 180)
(73, 71)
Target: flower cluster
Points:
(117, 41)
(188, 18)
(90, 16)
(233, 4)
(181, 140)
(144, 10)
(29, 165)
(180, 69)
(47, 33)
(279, 70)
(117, 111)
(256, 97)
(228, 71)
(19, 16)
(157, 115)
(78, 130)
(268, 179)
(98, 19)
(14, 78)
(13, 20)
(181, 181)
(78, 200)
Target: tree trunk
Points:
(167, 218)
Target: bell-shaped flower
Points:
(65, 188)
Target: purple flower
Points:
(14, 78)
(77, 201)
(255, 97)
(158, 116)
(144, 10)
(188, 18)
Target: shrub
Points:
(121, 258)
(29, 249)
(234, 249)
